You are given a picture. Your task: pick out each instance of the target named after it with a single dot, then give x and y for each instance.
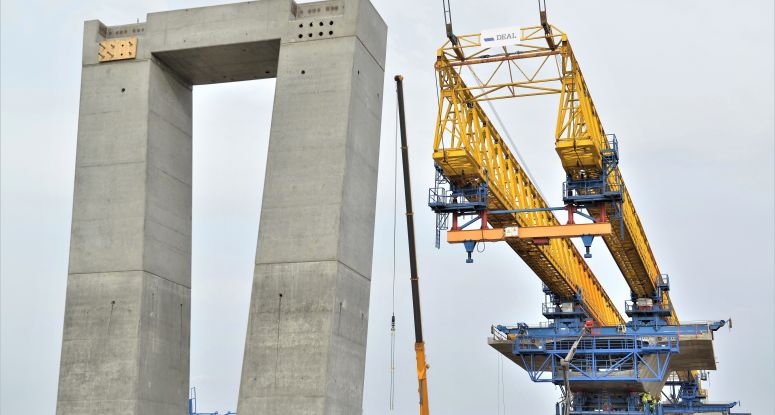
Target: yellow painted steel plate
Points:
(118, 49)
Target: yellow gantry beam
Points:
(580, 140)
(533, 68)
(470, 151)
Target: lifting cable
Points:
(498, 385)
(393, 313)
(501, 386)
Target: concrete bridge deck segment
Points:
(126, 337)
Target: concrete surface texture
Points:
(126, 336)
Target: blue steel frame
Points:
(660, 409)
(445, 198)
(192, 406)
(655, 315)
(601, 354)
(686, 397)
(590, 191)
(631, 405)
(703, 408)
(599, 403)
(599, 357)
(605, 355)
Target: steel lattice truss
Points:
(469, 150)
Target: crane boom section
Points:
(531, 67)
(470, 151)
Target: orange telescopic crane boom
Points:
(419, 344)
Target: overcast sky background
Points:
(686, 85)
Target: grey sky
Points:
(687, 87)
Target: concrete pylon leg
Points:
(126, 332)
(126, 335)
(306, 341)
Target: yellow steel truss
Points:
(469, 150)
(580, 139)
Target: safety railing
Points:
(605, 189)
(597, 358)
(662, 309)
(442, 199)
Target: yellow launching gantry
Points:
(621, 365)
(485, 179)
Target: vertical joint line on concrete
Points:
(277, 347)
(180, 336)
(110, 315)
(339, 319)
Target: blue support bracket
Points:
(192, 406)
(609, 359)
(469, 245)
(599, 358)
(587, 240)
